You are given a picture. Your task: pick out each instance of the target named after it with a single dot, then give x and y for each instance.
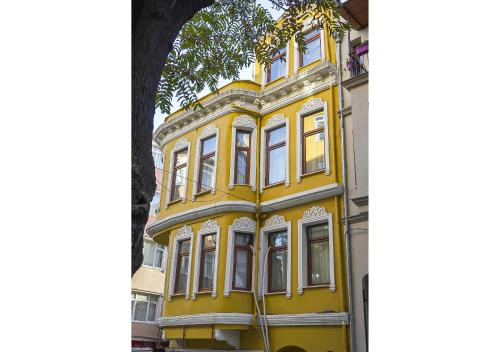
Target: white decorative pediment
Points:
(208, 131)
(184, 232)
(276, 221)
(244, 121)
(312, 105)
(181, 144)
(244, 224)
(276, 120)
(209, 226)
(315, 212)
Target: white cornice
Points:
(341, 318)
(199, 212)
(311, 195)
(295, 88)
(355, 81)
(206, 319)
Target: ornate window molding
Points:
(247, 123)
(313, 216)
(207, 132)
(242, 225)
(275, 121)
(184, 233)
(208, 227)
(314, 105)
(275, 223)
(296, 46)
(181, 144)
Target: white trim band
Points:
(206, 319)
(341, 318)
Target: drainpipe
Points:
(347, 238)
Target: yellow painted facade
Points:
(311, 318)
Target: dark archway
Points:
(291, 349)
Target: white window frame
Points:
(240, 225)
(159, 305)
(296, 47)
(275, 121)
(184, 233)
(314, 105)
(157, 153)
(157, 249)
(208, 227)
(180, 145)
(207, 132)
(313, 216)
(273, 224)
(287, 68)
(245, 123)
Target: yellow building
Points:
(251, 211)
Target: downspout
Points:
(347, 238)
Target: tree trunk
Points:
(155, 25)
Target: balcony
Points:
(357, 63)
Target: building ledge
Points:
(355, 81)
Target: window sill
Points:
(152, 267)
(203, 292)
(317, 286)
(144, 322)
(179, 294)
(313, 173)
(174, 202)
(275, 293)
(202, 193)
(241, 291)
(274, 184)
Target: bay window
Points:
(207, 262)
(242, 161)
(178, 187)
(313, 143)
(312, 48)
(144, 307)
(182, 272)
(276, 155)
(277, 261)
(207, 164)
(242, 259)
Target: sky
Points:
(245, 73)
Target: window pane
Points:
(141, 297)
(277, 69)
(149, 253)
(209, 241)
(241, 166)
(243, 139)
(207, 173)
(315, 153)
(278, 239)
(277, 165)
(158, 258)
(319, 262)
(151, 311)
(140, 311)
(180, 183)
(208, 270)
(181, 157)
(276, 136)
(244, 239)
(183, 271)
(312, 122)
(208, 146)
(241, 272)
(312, 52)
(318, 231)
(311, 34)
(184, 246)
(278, 270)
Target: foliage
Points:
(231, 34)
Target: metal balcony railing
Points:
(357, 63)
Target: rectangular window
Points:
(275, 155)
(313, 143)
(182, 266)
(242, 152)
(277, 68)
(207, 262)
(242, 267)
(318, 255)
(207, 164)
(153, 254)
(277, 261)
(312, 49)
(179, 181)
(144, 306)
(155, 204)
